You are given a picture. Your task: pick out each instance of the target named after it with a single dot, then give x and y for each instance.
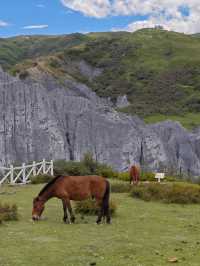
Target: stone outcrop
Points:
(47, 119)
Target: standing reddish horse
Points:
(75, 188)
(134, 174)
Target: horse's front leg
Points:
(72, 217)
(65, 217)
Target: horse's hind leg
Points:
(65, 218)
(72, 217)
(101, 212)
(108, 217)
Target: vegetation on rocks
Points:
(158, 70)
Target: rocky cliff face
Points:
(46, 119)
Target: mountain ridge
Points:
(157, 70)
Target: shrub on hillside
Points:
(182, 193)
(147, 176)
(124, 176)
(8, 212)
(41, 179)
(88, 166)
(121, 187)
(106, 171)
(90, 163)
(70, 168)
(144, 176)
(90, 207)
(170, 178)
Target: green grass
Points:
(189, 120)
(142, 233)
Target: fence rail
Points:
(21, 174)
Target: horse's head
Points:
(38, 208)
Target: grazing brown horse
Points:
(75, 188)
(134, 174)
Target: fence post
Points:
(11, 174)
(44, 166)
(52, 167)
(23, 173)
(34, 168)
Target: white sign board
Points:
(159, 176)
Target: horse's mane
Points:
(49, 184)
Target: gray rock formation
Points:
(122, 101)
(44, 119)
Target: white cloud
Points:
(3, 23)
(92, 8)
(177, 15)
(35, 27)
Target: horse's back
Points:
(82, 187)
(90, 179)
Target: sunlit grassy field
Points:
(141, 234)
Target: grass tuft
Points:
(8, 212)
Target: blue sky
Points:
(19, 17)
(60, 20)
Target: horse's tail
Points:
(106, 199)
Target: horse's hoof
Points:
(73, 220)
(108, 221)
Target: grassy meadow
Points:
(141, 234)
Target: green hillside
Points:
(158, 70)
(17, 49)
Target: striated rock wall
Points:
(45, 119)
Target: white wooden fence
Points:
(21, 174)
